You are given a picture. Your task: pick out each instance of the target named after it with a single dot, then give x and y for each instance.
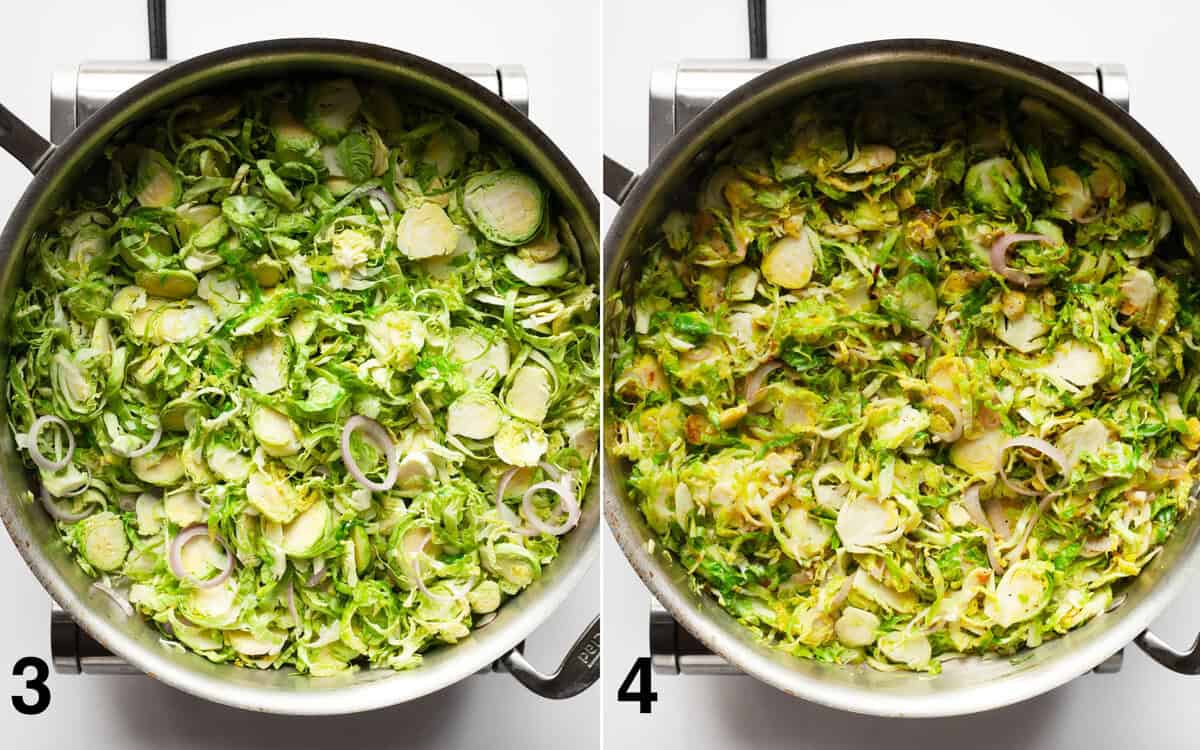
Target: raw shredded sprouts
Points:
(875, 426)
(234, 281)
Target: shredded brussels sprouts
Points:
(911, 375)
(287, 393)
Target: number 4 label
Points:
(645, 696)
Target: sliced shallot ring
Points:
(1034, 444)
(567, 502)
(994, 510)
(975, 511)
(57, 513)
(148, 446)
(505, 512)
(379, 436)
(956, 430)
(36, 454)
(175, 559)
(756, 379)
(998, 256)
(118, 599)
(318, 574)
(381, 195)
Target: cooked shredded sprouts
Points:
(235, 282)
(912, 374)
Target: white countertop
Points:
(558, 45)
(1142, 706)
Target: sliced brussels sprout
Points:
(529, 395)
(485, 597)
(293, 141)
(229, 464)
(520, 444)
(789, 263)
(102, 541)
(908, 647)
(797, 409)
(148, 509)
(275, 432)
(214, 607)
(249, 644)
(310, 533)
(643, 377)
(474, 415)
(249, 211)
(165, 323)
(869, 589)
(172, 284)
(1025, 332)
(161, 468)
(65, 482)
(507, 206)
(1087, 438)
(75, 388)
(536, 273)
(396, 337)
(1073, 196)
(980, 455)
(1139, 291)
(145, 251)
(268, 272)
(89, 245)
(864, 522)
(331, 108)
(415, 472)
(857, 627)
(993, 185)
(444, 151)
(324, 396)
(352, 248)
(478, 357)
(182, 508)
(916, 300)
(1076, 363)
(515, 564)
(221, 291)
(381, 108)
(542, 248)
(199, 639)
(200, 557)
(870, 158)
(806, 537)
(190, 218)
(742, 284)
(266, 359)
(158, 184)
(273, 496)
(1022, 592)
(894, 426)
(426, 232)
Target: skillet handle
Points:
(618, 180)
(578, 671)
(1184, 662)
(22, 141)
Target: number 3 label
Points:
(36, 684)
